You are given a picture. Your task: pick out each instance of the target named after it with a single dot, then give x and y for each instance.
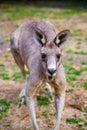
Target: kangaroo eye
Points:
(58, 56)
(44, 56)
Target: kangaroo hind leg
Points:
(20, 63)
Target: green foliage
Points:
(76, 32)
(48, 112)
(27, 71)
(70, 58)
(85, 84)
(71, 72)
(6, 55)
(71, 77)
(84, 63)
(43, 101)
(20, 11)
(85, 109)
(73, 120)
(84, 69)
(14, 65)
(17, 76)
(45, 112)
(4, 106)
(69, 50)
(1, 65)
(85, 124)
(1, 43)
(80, 52)
(74, 84)
(4, 75)
(79, 42)
(69, 90)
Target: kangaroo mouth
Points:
(50, 77)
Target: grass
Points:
(4, 75)
(76, 32)
(84, 69)
(4, 106)
(1, 43)
(84, 63)
(85, 84)
(69, 50)
(74, 84)
(85, 109)
(13, 67)
(43, 101)
(78, 120)
(71, 77)
(69, 90)
(2, 65)
(45, 112)
(71, 72)
(73, 120)
(80, 52)
(79, 42)
(48, 112)
(70, 58)
(17, 76)
(6, 55)
(20, 11)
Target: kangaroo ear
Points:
(61, 37)
(39, 37)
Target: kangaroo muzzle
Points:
(51, 67)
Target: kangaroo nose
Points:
(51, 71)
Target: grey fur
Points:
(29, 43)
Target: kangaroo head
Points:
(50, 50)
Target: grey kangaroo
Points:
(38, 45)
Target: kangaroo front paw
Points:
(20, 101)
(21, 98)
(50, 96)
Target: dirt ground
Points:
(9, 89)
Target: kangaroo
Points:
(38, 45)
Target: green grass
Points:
(2, 65)
(80, 52)
(86, 38)
(6, 55)
(76, 32)
(84, 63)
(4, 75)
(69, 50)
(85, 84)
(45, 112)
(17, 76)
(43, 101)
(74, 84)
(79, 42)
(84, 69)
(20, 11)
(71, 77)
(4, 106)
(13, 67)
(85, 109)
(73, 120)
(1, 43)
(48, 112)
(7, 38)
(70, 58)
(71, 72)
(69, 90)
